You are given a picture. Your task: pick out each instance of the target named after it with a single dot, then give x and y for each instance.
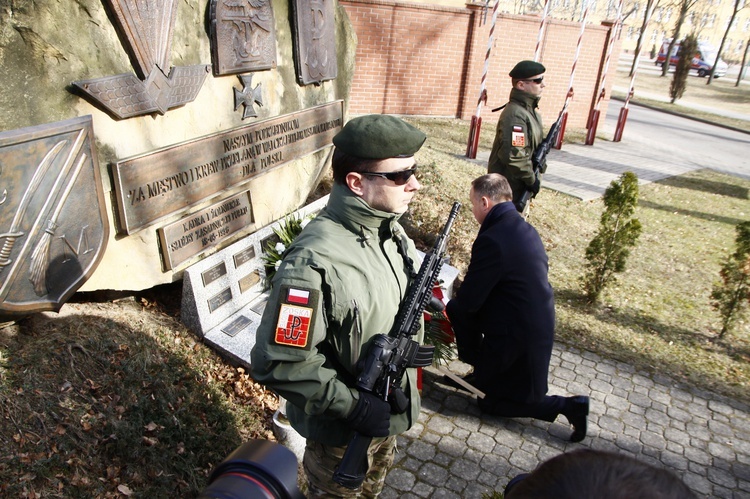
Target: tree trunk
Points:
(684, 7)
(650, 6)
(723, 40)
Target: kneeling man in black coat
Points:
(504, 314)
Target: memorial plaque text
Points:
(199, 231)
(158, 184)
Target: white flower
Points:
(280, 248)
(277, 265)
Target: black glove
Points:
(371, 416)
(534, 188)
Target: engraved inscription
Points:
(155, 185)
(210, 275)
(237, 325)
(199, 231)
(244, 256)
(249, 281)
(222, 297)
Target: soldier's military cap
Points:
(379, 136)
(526, 69)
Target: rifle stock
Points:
(387, 357)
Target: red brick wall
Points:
(428, 60)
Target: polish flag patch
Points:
(518, 138)
(298, 296)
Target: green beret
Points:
(526, 69)
(379, 136)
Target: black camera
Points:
(257, 469)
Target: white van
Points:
(702, 62)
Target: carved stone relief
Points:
(243, 36)
(53, 225)
(147, 29)
(315, 40)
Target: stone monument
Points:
(201, 130)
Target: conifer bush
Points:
(688, 48)
(732, 296)
(618, 231)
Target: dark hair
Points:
(590, 473)
(494, 186)
(343, 163)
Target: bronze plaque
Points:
(244, 256)
(221, 298)
(200, 231)
(249, 281)
(146, 29)
(210, 275)
(155, 185)
(53, 224)
(237, 325)
(243, 36)
(314, 40)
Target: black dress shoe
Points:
(447, 381)
(577, 411)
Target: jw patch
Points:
(296, 316)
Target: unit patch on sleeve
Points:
(296, 316)
(518, 138)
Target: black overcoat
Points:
(504, 313)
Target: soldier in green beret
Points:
(520, 131)
(339, 284)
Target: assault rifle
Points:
(539, 155)
(387, 357)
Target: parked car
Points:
(704, 59)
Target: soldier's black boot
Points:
(577, 411)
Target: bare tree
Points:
(741, 75)
(685, 6)
(738, 4)
(647, 13)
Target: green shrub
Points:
(608, 251)
(688, 48)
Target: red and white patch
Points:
(293, 325)
(298, 296)
(518, 138)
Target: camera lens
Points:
(258, 469)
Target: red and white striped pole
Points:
(569, 95)
(542, 26)
(624, 111)
(476, 120)
(594, 118)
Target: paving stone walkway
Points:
(455, 451)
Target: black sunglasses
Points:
(537, 80)
(399, 178)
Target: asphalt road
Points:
(676, 138)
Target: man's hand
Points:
(534, 188)
(371, 416)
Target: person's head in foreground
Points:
(587, 473)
